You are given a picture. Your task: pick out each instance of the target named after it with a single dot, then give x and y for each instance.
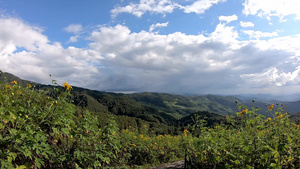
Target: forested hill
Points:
(180, 106)
(156, 107)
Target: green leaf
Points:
(237, 162)
(21, 167)
(38, 162)
(273, 165)
(246, 148)
(2, 126)
(9, 159)
(65, 130)
(11, 156)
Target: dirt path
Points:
(174, 165)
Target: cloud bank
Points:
(269, 8)
(119, 59)
(26, 52)
(163, 7)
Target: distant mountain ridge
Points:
(8, 77)
(158, 107)
(269, 97)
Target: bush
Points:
(251, 141)
(38, 131)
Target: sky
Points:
(169, 46)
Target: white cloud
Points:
(225, 34)
(246, 24)
(73, 39)
(152, 6)
(259, 34)
(29, 37)
(288, 43)
(268, 8)
(228, 19)
(163, 7)
(273, 76)
(73, 28)
(158, 25)
(26, 52)
(200, 6)
(145, 61)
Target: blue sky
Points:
(174, 46)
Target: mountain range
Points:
(164, 108)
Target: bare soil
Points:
(174, 165)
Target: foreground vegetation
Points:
(248, 141)
(39, 131)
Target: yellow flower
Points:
(14, 82)
(185, 132)
(19, 92)
(271, 107)
(244, 111)
(28, 85)
(134, 137)
(163, 153)
(280, 116)
(269, 119)
(8, 87)
(66, 85)
(133, 145)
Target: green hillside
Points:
(295, 118)
(153, 107)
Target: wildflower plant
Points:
(38, 131)
(252, 140)
(43, 129)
